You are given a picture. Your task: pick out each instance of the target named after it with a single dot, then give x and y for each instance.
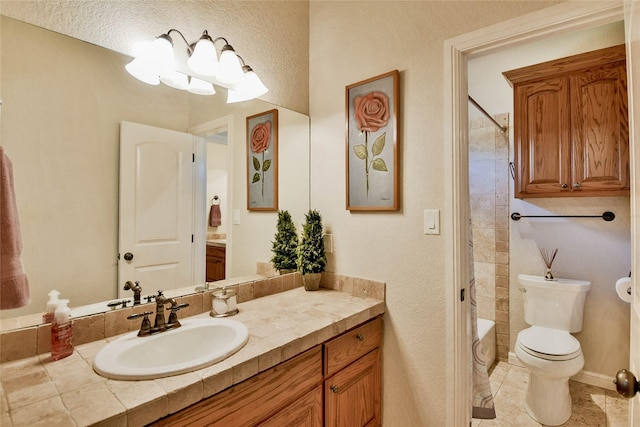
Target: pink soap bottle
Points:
(62, 332)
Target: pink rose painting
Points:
(372, 143)
(371, 113)
(260, 139)
(262, 170)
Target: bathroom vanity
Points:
(311, 357)
(346, 370)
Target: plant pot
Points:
(287, 271)
(311, 281)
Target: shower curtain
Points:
(481, 396)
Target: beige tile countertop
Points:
(37, 391)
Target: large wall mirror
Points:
(62, 104)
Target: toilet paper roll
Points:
(623, 288)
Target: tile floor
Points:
(592, 406)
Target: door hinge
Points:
(462, 294)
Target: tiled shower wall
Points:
(489, 198)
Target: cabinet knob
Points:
(564, 185)
(360, 337)
(576, 185)
(334, 388)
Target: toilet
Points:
(547, 349)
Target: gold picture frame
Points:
(262, 161)
(372, 161)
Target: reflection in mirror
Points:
(62, 104)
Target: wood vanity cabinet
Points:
(216, 261)
(334, 384)
(571, 126)
(352, 385)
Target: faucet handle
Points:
(145, 327)
(173, 316)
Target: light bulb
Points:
(250, 88)
(200, 87)
(143, 70)
(176, 80)
(230, 72)
(204, 59)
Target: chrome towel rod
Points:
(503, 129)
(607, 216)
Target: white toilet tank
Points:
(557, 304)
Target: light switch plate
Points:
(236, 216)
(432, 221)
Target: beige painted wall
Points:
(588, 249)
(350, 42)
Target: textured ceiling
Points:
(261, 32)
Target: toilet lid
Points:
(549, 341)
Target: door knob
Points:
(626, 384)
(128, 256)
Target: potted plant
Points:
(311, 254)
(285, 244)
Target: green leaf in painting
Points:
(379, 165)
(256, 178)
(266, 165)
(360, 151)
(378, 145)
(256, 163)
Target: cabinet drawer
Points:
(347, 348)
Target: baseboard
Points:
(583, 376)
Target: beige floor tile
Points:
(591, 406)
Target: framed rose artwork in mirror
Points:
(372, 143)
(262, 161)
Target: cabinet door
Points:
(352, 396)
(216, 261)
(542, 139)
(304, 412)
(599, 121)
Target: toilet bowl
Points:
(552, 357)
(554, 309)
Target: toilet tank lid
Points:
(548, 341)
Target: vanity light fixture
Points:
(157, 64)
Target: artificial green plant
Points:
(285, 244)
(311, 253)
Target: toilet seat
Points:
(549, 344)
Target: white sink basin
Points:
(196, 344)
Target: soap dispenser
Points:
(52, 304)
(62, 332)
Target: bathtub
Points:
(487, 335)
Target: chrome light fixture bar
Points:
(157, 64)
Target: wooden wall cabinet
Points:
(571, 126)
(216, 263)
(334, 384)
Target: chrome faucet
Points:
(137, 290)
(159, 324)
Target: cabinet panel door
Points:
(543, 154)
(600, 129)
(304, 412)
(352, 396)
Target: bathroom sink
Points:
(196, 344)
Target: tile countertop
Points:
(40, 392)
(220, 243)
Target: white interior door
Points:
(632, 29)
(156, 208)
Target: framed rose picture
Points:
(372, 143)
(262, 161)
